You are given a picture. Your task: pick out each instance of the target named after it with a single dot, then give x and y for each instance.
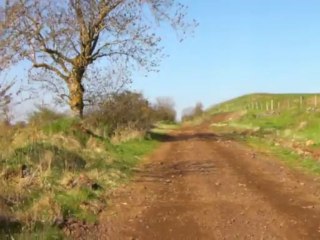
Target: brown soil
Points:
(201, 186)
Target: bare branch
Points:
(51, 68)
(64, 38)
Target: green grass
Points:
(288, 156)
(34, 155)
(68, 127)
(279, 121)
(284, 118)
(297, 125)
(263, 101)
(129, 154)
(59, 125)
(293, 116)
(165, 127)
(44, 115)
(40, 233)
(71, 201)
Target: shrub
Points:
(193, 112)
(122, 110)
(164, 109)
(44, 115)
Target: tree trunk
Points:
(76, 91)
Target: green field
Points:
(287, 125)
(269, 102)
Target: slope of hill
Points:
(287, 124)
(269, 102)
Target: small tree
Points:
(121, 110)
(192, 112)
(63, 39)
(198, 109)
(187, 113)
(165, 109)
(5, 100)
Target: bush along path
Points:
(199, 185)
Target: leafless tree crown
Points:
(64, 38)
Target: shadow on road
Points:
(163, 137)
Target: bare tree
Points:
(165, 109)
(62, 39)
(107, 83)
(5, 100)
(5, 95)
(3, 17)
(198, 109)
(192, 112)
(187, 113)
(8, 91)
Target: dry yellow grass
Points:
(125, 134)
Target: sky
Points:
(240, 47)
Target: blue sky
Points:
(240, 46)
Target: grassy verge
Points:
(267, 136)
(286, 155)
(130, 153)
(273, 136)
(55, 171)
(164, 128)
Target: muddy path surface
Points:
(201, 186)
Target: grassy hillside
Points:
(57, 170)
(269, 102)
(287, 115)
(286, 124)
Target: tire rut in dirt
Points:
(306, 221)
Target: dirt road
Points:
(200, 186)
